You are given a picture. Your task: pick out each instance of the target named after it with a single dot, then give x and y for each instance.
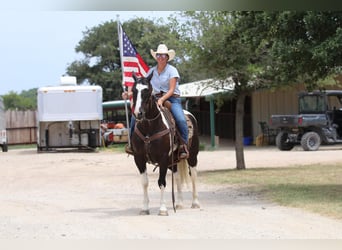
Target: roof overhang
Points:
(206, 87)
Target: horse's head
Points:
(142, 96)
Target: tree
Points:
(307, 46)
(100, 47)
(26, 100)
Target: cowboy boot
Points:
(183, 151)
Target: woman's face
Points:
(162, 58)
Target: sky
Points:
(37, 46)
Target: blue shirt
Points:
(160, 82)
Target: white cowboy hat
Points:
(162, 49)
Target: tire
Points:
(310, 141)
(4, 148)
(282, 141)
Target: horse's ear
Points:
(148, 80)
(149, 77)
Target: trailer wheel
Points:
(282, 141)
(4, 147)
(310, 141)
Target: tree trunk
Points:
(240, 111)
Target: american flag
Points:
(130, 60)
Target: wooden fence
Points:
(21, 127)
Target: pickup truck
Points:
(319, 121)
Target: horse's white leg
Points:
(162, 209)
(144, 181)
(195, 202)
(179, 203)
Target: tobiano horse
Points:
(155, 141)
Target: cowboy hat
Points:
(162, 49)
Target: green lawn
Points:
(316, 188)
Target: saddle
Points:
(172, 129)
(172, 123)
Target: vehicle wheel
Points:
(310, 141)
(282, 141)
(4, 148)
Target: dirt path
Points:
(98, 196)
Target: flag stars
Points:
(128, 49)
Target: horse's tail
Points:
(183, 170)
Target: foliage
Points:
(26, 100)
(306, 45)
(217, 48)
(269, 49)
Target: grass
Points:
(119, 147)
(316, 188)
(22, 146)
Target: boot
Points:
(128, 149)
(183, 152)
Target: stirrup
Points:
(183, 152)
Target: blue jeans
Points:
(132, 125)
(178, 114)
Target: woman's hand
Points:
(126, 95)
(160, 102)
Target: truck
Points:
(3, 133)
(69, 116)
(319, 121)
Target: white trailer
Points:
(3, 134)
(69, 116)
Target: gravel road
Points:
(75, 195)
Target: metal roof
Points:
(205, 87)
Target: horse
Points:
(155, 141)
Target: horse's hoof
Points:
(195, 205)
(144, 212)
(163, 213)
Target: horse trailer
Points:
(3, 134)
(69, 116)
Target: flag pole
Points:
(123, 77)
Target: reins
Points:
(172, 159)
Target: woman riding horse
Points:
(165, 83)
(153, 142)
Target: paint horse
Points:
(155, 141)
